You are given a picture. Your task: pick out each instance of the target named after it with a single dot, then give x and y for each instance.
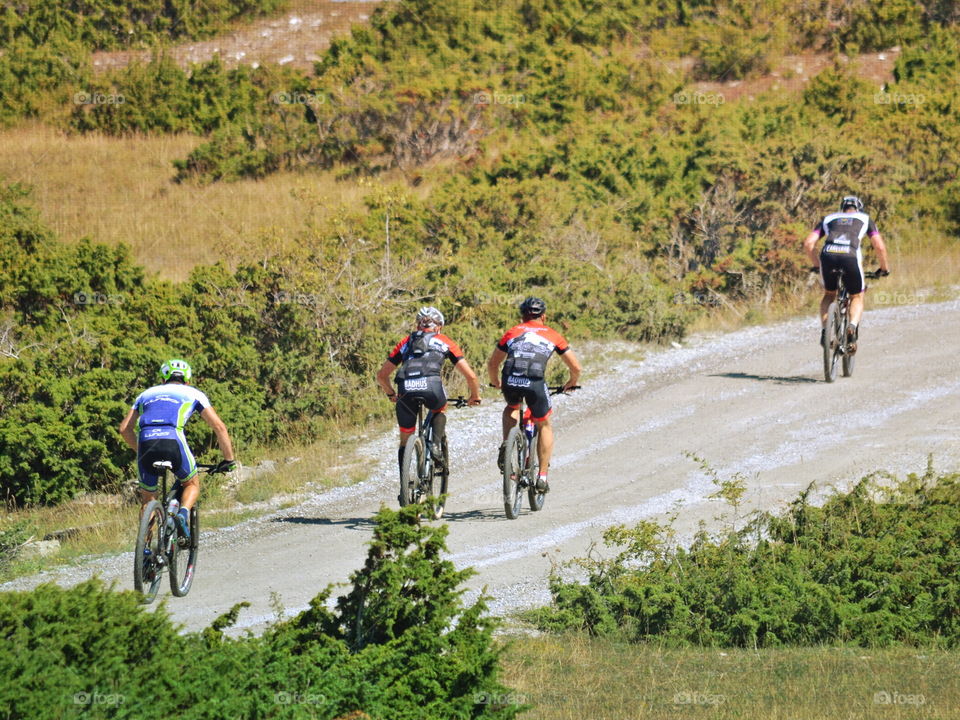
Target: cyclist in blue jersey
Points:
(154, 430)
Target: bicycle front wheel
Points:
(183, 558)
(533, 466)
(148, 566)
(513, 460)
(831, 343)
(410, 475)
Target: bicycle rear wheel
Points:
(848, 357)
(441, 477)
(148, 570)
(183, 558)
(410, 477)
(831, 343)
(513, 473)
(535, 497)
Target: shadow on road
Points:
(482, 515)
(365, 523)
(779, 379)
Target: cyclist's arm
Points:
(877, 241)
(493, 366)
(127, 429)
(573, 365)
(383, 378)
(211, 418)
(810, 247)
(464, 369)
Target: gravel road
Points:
(751, 402)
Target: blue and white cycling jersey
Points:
(164, 409)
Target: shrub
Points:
(91, 649)
(873, 567)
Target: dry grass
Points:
(120, 190)
(571, 678)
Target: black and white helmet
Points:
(533, 307)
(429, 316)
(851, 201)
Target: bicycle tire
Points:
(848, 357)
(410, 477)
(443, 477)
(148, 574)
(831, 343)
(535, 496)
(183, 558)
(512, 465)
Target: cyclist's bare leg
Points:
(511, 416)
(190, 492)
(856, 308)
(544, 444)
(828, 297)
(145, 497)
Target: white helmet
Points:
(429, 316)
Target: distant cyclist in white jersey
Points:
(154, 430)
(842, 251)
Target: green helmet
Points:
(176, 369)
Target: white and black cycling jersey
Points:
(844, 231)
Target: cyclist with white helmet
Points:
(420, 356)
(526, 348)
(153, 428)
(842, 250)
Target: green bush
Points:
(874, 567)
(399, 645)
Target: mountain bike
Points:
(424, 470)
(167, 548)
(521, 462)
(835, 343)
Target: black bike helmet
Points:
(533, 307)
(851, 201)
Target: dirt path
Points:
(751, 401)
(296, 38)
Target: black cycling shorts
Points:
(411, 393)
(157, 450)
(851, 266)
(516, 388)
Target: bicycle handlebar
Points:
(459, 401)
(561, 390)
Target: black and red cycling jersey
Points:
(437, 347)
(528, 347)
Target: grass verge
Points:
(572, 677)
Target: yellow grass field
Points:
(120, 190)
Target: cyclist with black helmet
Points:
(420, 356)
(842, 249)
(526, 348)
(153, 428)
